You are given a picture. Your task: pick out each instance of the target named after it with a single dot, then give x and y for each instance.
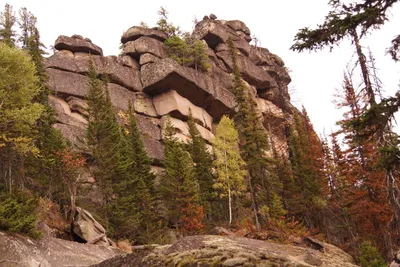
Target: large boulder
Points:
(64, 113)
(145, 45)
(21, 251)
(88, 229)
(238, 25)
(79, 63)
(213, 32)
(179, 107)
(144, 105)
(136, 32)
(251, 73)
(147, 58)
(71, 84)
(183, 129)
(120, 96)
(149, 127)
(78, 105)
(67, 83)
(128, 61)
(207, 251)
(208, 91)
(77, 44)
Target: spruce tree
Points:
(7, 21)
(228, 164)
(179, 186)
(138, 189)
(104, 139)
(307, 161)
(202, 165)
(253, 142)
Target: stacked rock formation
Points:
(158, 86)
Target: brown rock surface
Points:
(149, 127)
(212, 31)
(78, 105)
(128, 61)
(144, 105)
(64, 114)
(216, 250)
(238, 25)
(72, 133)
(203, 90)
(176, 105)
(136, 32)
(147, 58)
(50, 252)
(154, 148)
(77, 44)
(120, 96)
(145, 45)
(117, 73)
(251, 73)
(67, 83)
(88, 229)
(72, 84)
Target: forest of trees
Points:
(343, 188)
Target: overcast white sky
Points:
(314, 75)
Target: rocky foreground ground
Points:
(213, 251)
(199, 251)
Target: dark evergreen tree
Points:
(104, 140)
(179, 186)
(307, 161)
(7, 21)
(202, 165)
(253, 142)
(138, 190)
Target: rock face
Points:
(49, 252)
(207, 251)
(157, 86)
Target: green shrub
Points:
(188, 52)
(17, 214)
(370, 256)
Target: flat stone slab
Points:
(77, 44)
(136, 32)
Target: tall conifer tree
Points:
(253, 142)
(179, 186)
(7, 21)
(202, 164)
(104, 139)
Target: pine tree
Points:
(253, 142)
(179, 187)
(202, 165)
(228, 164)
(7, 21)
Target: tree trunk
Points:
(364, 69)
(254, 204)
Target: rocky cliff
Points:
(158, 86)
